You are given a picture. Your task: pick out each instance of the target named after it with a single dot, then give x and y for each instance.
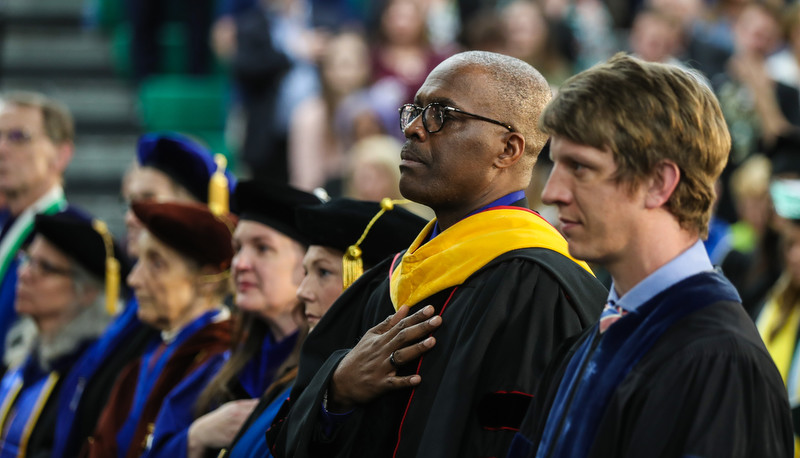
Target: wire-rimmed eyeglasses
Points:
(435, 114)
(42, 267)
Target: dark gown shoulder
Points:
(501, 327)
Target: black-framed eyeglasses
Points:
(41, 267)
(435, 114)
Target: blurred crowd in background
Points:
(311, 85)
(307, 91)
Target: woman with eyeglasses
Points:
(65, 289)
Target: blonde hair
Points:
(752, 177)
(645, 113)
(380, 150)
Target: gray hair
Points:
(521, 93)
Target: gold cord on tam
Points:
(112, 267)
(352, 265)
(213, 278)
(218, 187)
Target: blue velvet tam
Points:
(272, 204)
(182, 159)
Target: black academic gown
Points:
(707, 387)
(500, 328)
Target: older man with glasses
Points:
(36, 145)
(65, 288)
(448, 339)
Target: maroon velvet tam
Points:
(191, 229)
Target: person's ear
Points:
(513, 151)
(64, 153)
(662, 184)
(88, 295)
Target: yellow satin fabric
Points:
(781, 348)
(461, 250)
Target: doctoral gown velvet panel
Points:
(171, 431)
(203, 346)
(500, 328)
(89, 384)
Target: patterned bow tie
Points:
(611, 313)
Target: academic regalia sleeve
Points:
(87, 388)
(708, 387)
(251, 441)
(527, 438)
(303, 427)
(699, 403)
(103, 442)
(505, 331)
(339, 328)
(171, 430)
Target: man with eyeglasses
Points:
(448, 339)
(36, 145)
(65, 289)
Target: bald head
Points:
(520, 93)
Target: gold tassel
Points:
(352, 265)
(218, 187)
(112, 267)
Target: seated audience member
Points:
(316, 144)
(68, 279)
(757, 109)
(778, 318)
(750, 264)
(533, 37)
(373, 172)
(401, 47)
(180, 281)
(332, 229)
(656, 36)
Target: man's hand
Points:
(370, 369)
(217, 428)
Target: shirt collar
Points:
(691, 262)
